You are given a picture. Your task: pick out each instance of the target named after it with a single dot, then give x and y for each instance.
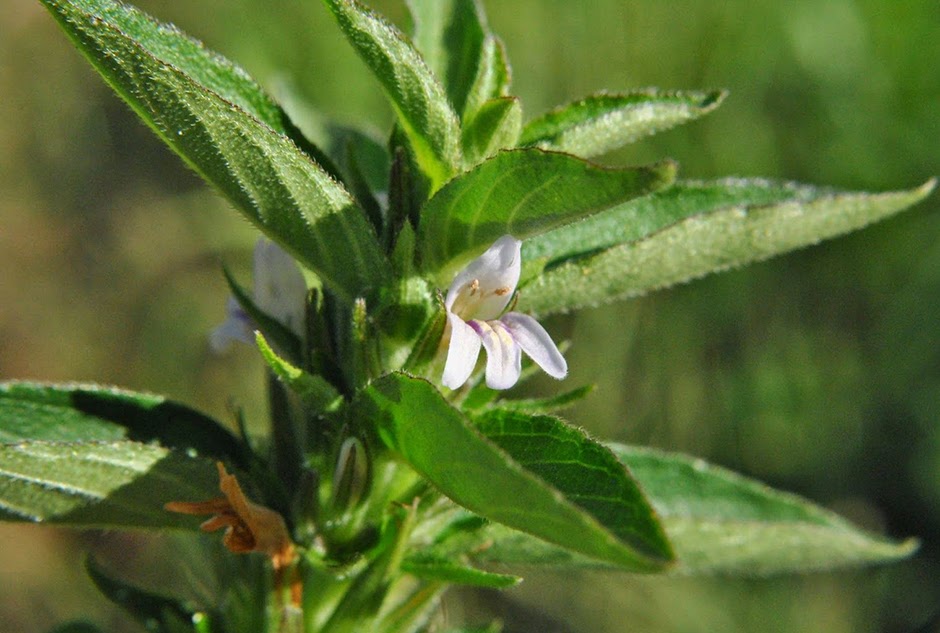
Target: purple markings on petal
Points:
(236, 327)
(280, 291)
(476, 298)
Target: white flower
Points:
(279, 291)
(474, 302)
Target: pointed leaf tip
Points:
(719, 522)
(603, 122)
(690, 230)
(416, 95)
(223, 126)
(588, 504)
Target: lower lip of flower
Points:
(477, 327)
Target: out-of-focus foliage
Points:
(817, 372)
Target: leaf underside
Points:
(100, 484)
(87, 455)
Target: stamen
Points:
(474, 286)
(499, 292)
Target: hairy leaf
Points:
(584, 471)
(416, 95)
(523, 193)
(496, 126)
(493, 78)
(603, 122)
(645, 216)
(100, 484)
(452, 572)
(450, 35)
(172, 46)
(549, 404)
(272, 182)
(721, 522)
(699, 228)
(314, 391)
(90, 413)
(415, 421)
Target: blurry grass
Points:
(818, 371)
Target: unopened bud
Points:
(351, 476)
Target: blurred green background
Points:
(818, 372)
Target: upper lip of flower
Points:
(475, 303)
(279, 290)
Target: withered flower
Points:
(249, 526)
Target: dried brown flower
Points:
(249, 526)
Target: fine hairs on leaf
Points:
(719, 523)
(274, 185)
(477, 474)
(523, 193)
(392, 462)
(603, 122)
(717, 228)
(419, 100)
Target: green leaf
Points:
(645, 216)
(722, 522)
(496, 126)
(415, 93)
(603, 122)
(359, 150)
(158, 613)
(549, 404)
(315, 392)
(583, 470)
(272, 182)
(699, 228)
(450, 34)
(167, 43)
(413, 420)
(492, 80)
(524, 193)
(100, 484)
(89, 413)
(451, 572)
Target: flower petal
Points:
(280, 289)
(503, 355)
(497, 273)
(535, 341)
(462, 352)
(237, 327)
